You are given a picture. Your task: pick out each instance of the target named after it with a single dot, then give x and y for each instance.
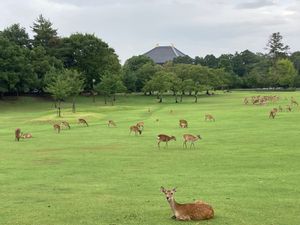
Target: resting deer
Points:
(164, 138)
(17, 134)
(82, 121)
(198, 210)
(56, 128)
(183, 123)
(111, 123)
(209, 117)
(190, 138)
(273, 113)
(135, 129)
(65, 124)
(26, 135)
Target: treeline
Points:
(83, 63)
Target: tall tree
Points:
(276, 48)
(45, 35)
(17, 34)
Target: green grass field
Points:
(247, 166)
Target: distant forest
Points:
(83, 63)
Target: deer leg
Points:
(184, 144)
(158, 144)
(166, 144)
(183, 218)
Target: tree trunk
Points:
(105, 100)
(73, 106)
(207, 92)
(59, 114)
(196, 98)
(160, 99)
(176, 98)
(112, 100)
(181, 96)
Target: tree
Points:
(131, 74)
(76, 82)
(16, 73)
(211, 61)
(109, 86)
(175, 85)
(58, 86)
(183, 59)
(90, 56)
(276, 49)
(160, 82)
(283, 73)
(45, 35)
(144, 73)
(17, 34)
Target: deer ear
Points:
(162, 189)
(174, 189)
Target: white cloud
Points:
(196, 27)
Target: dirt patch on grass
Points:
(48, 161)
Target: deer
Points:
(190, 138)
(273, 113)
(140, 125)
(135, 129)
(65, 124)
(246, 101)
(183, 124)
(294, 102)
(56, 128)
(198, 210)
(164, 138)
(17, 134)
(82, 121)
(209, 117)
(26, 135)
(111, 123)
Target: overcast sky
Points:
(195, 27)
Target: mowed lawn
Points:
(247, 166)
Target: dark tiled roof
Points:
(162, 54)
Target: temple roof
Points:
(162, 54)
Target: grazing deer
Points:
(56, 128)
(190, 138)
(65, 124)
(164, 138)
(198, 210)
(294, 102)
(135, 129)
(183, 124)
(111, 123)
(82, 121)
(17, 134)
(209, 117)
(140, 125)
(26, 135)
(273, 113)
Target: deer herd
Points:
(263, 100)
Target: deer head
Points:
(199, 136)
(168, 193)
(174, 138)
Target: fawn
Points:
(209, 117)
(82, 121)
(65, 124)
(164, 138)
(198, 210)
(17, 134)
(190, 138)
(111, 123)
(26, 135)
(273, 113)
(56, 128)
(183, 124)
(135, 129)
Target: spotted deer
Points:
(183, 124)
(56, 128)
(273, 113)
(198, 210)
(65, 124)
(111, 123)
(190, 138)
(82, 121)
(135, 129)
(164, 138)
(209, 117)
(17, 134)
